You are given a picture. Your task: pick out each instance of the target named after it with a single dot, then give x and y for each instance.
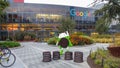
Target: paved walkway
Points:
(29, 55)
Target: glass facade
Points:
(34, 13)
(45, 17)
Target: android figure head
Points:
(62, 35)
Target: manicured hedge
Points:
(10, 44)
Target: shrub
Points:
(104, 36)
(106, 66)
(20, 36)
(52, 40)
(94, 35)
(76, 39)
(117, 34)
(101, 36)
(32, 35)
(97, 61)
(27, 37)
(79, 33)
(9, 44)
(37, 40)
(80, 39)
(103, 40)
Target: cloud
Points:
(80, 3)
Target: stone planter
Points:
(78, 57)
(68, 56)
(56, 55)
(46, 56)
(115, 51)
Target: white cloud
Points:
(80, 3)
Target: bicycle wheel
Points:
(5, 52)
(9, 61)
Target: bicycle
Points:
(4, 51)
(7, 58)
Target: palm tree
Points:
(110, 11)
(3, 5)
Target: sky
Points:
(80, 3)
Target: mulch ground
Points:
(92, 64)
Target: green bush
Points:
(33, 36)
(9, 44)
(20, 36)
(97, 61)
(106, 66)
(93, 55)
(52, 41)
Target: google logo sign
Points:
(84, 14)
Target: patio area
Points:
(29, 55)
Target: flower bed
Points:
(114, 49)
(91, 63)
(75, 40)
(80, 40)
(103, 59)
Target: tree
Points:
(101, 27)
(110, 11)
(67, 25)
(3, 5)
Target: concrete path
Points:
(29, 55)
